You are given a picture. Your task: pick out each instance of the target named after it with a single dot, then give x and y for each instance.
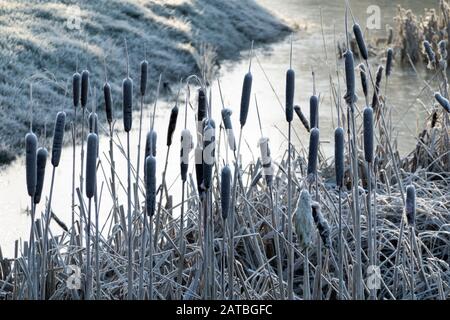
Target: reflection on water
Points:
(309, 54)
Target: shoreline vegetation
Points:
(366, 224)
(44, 41)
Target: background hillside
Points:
(41, 42)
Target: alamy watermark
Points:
(373, 21)
(373, 277)
(73, 281)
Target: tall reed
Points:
(58, 139)
(225, 201)
(127, 107)
(150, 203)
(83, 99)
(143, 88)
(31, 179)
(340, 170)
(290, 92)
(368, 156)
(76, 93)
(91, 185)
(243, 114)
(410, 210)
(350, 95)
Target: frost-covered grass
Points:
(36, 42)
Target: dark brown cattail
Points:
(378, 78)
(245, 98)
(108, 102)
(322, 225)
(41, 161)
(313, 152)
(198, 155)
(150, 185)
(144, 74)
(201, 108)
(314, 112)
(186, 148)
(430, 53)
(442, 101)
(150, 143)
(302, 118)
(389, 60)
(58, 137)
(364, 83)
(76, 88)
(410, 205)
(360, 41)
(225, 191)
(368, 134)
(30, 161)
(290, 90)
(339, 156)
(172, 125)
(84, 88)
(127, 92)
(93, 123)
(226, 118)
(91, 164)
(350, 76)
(209, 154)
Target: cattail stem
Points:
(130, 223)
(74, 148)
(150, 272)
(341, 249)
(142, 262)
(231, 218)
(411, 265)
(82, 168)
(46, 230)
(358, 281)
(138, 164)
(306, 286)
(97, 249)
(158, 214)
(113, 178)
(88, 289)
(32, 256)
(181, 242)
(277, 245)
(222, 275)
(371, 237)
(289, 229)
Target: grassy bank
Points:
(44, 42)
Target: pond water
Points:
(309, 54)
